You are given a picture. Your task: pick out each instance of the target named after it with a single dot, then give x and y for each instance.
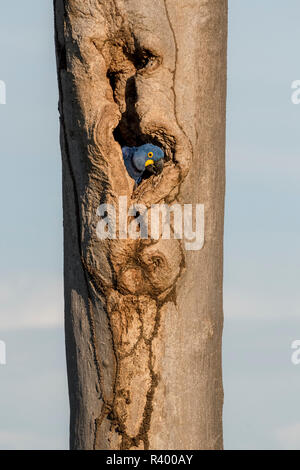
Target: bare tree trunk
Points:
(143, 317)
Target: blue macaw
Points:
(143, 161)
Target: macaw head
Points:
(149, 158)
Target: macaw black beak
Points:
(156, 168)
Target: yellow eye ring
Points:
(150, 154)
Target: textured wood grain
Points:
(143, 318)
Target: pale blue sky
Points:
(261, 293)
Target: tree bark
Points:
(143, 317)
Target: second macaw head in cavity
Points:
(143, 161)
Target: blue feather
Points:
(135, 159)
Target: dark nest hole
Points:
(128, 132)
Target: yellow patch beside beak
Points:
(149, 162)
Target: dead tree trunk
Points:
(143, 317)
